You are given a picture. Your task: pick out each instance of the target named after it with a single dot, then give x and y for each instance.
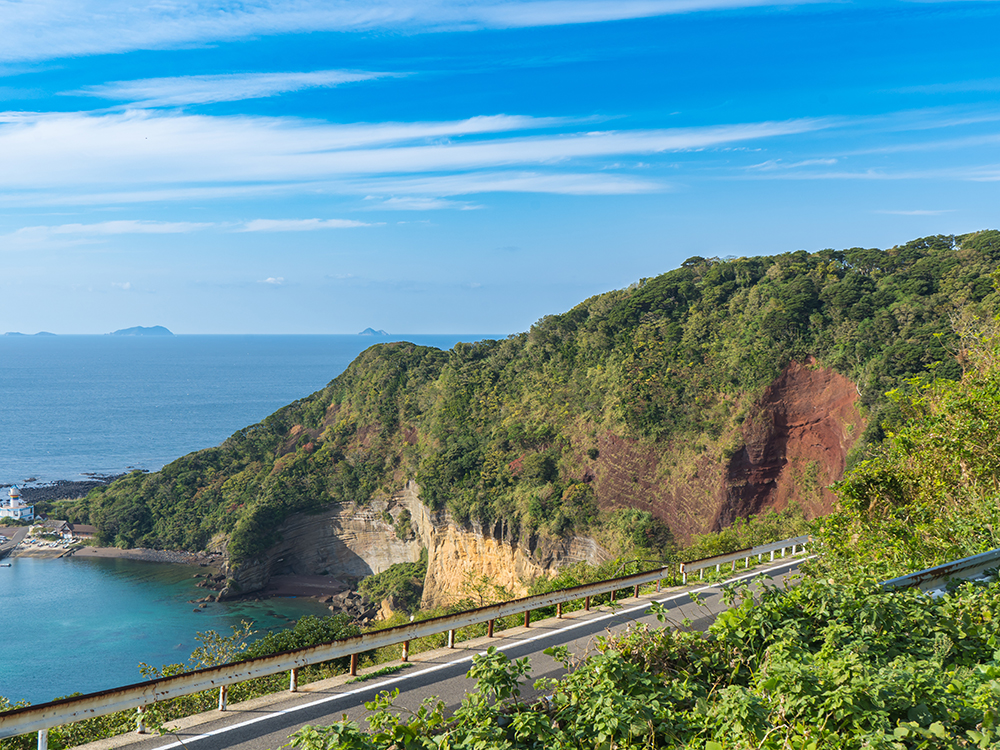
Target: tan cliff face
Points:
(354, 542)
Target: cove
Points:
(84, 624)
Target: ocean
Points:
(74, 406)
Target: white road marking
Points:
(470, 657)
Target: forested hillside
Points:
(536, 432)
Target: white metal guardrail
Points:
(967, 567)
(44, 716)
(733, 557)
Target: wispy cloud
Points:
(48, 29)
(776, 164)
(157, 152)
(917, 212)
(206, 89)
(418, 203)
(273, 280)
(299, 225)
(106, 228)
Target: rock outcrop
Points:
(795, 444)
(792, 444)
(354, 542)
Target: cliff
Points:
(638, 420)
(359, 541)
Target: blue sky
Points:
(320, 166)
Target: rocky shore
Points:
(63, 489)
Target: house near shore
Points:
(62, 529)
(15, 507)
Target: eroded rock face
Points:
(792, 444)
(456, 553)
(351, 542)
(796, 441)
(346, 541)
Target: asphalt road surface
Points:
(266, 723)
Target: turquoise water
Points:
(84, 624)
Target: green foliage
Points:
(928, 494)
(404, 582)
(820, 665)
(501, 433)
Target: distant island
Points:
(373, 332)
(142, 331)
(18, 333)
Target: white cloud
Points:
(126, 285)
(205, 89)
(273, 280)
(48, 29)
(775, 164)
(118, 227)
(561, 183)
(299, 225)
(79, 155)
(917, 212)
(419, 203)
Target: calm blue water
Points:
(105, 404)
(70, 405)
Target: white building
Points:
(15, 507)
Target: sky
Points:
(465, 166)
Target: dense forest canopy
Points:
(503, 431)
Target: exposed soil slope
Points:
(796, 442)
(792, 444)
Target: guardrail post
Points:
(772, 555)
(293, 680)
(43, 739)
(451, 639)
(527, 618)
(489, 628)
(406, 651)
(637, 591)
(140, 720)
(559, 610)
(746, 562)
(354, 665)
(793, 550)
(223, 697)
(782, 551)
(658, 582)
(586, 604)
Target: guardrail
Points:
(44, 716)
(932, 578)
(733, 557)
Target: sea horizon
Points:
(79, 405)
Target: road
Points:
(265, 723)
(14, 539)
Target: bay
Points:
(71, 406)
(85, 624)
